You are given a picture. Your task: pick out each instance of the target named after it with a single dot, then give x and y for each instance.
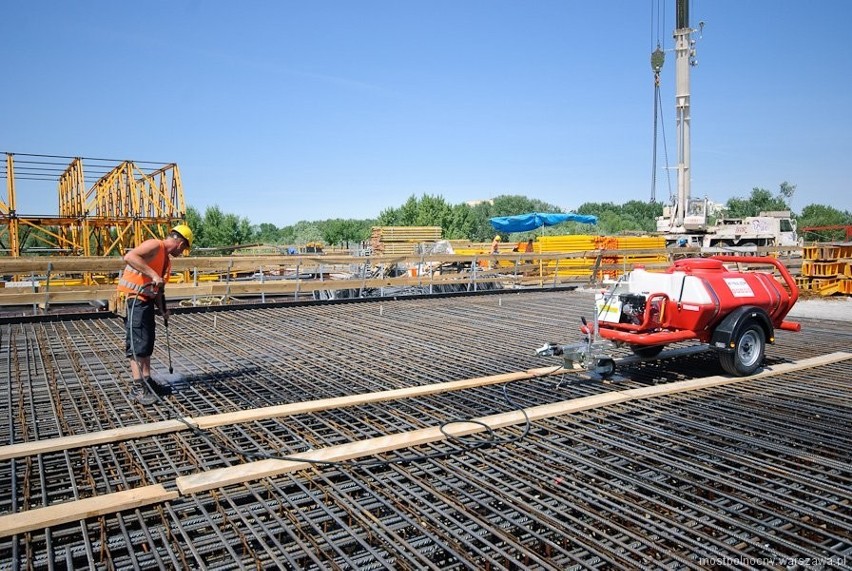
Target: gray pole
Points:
(682, 62)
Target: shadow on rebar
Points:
(210, 379)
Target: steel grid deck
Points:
(753, 473)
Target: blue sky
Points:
(280, 111)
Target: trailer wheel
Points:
(647, 351)
(605, 368)
(748, 351)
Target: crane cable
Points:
(657, 59)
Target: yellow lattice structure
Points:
(7, 208)
(124, 206)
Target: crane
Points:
(685, 214)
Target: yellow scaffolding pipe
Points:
(8, 207)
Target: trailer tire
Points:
(606, 367)
(647, 351)
(748, 352)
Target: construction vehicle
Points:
(685, 222)
(734, 313)
(771, 228)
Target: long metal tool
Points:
(168, 347)
(166, 324)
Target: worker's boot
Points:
(143, 393)
(160, 388)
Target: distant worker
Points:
(142, 282)
(495, 244)
(529, 248)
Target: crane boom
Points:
(682, 60)
(686, 214)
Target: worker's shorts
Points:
(139, 328)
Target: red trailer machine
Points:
(734, 312)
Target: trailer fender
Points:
(726, 333)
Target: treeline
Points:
(464, 221)
(217, 229)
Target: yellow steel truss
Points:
(7, 208)
(124, 207)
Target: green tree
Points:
(462, 223)
(632, 216)
(304, 232)
(195, 223)
(786, 191)
(644, 214)
(344, 232)
(507, 205)
(244, 231)
(481, 230)
(759, 201)
(820, 215)
(266, 233)
(215, 231)
(286, 235)
(427, 210)
(514, 204)
(215, 228)
(433, 211)
(402, 216)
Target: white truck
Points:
(772, 228)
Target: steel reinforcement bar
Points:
(755, 473)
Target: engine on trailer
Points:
(632, 308)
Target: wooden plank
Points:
(213, 479)
(57, 294)
(356, 400)
(107, 264)
(220, 264)
(66, 512)
(32, 448)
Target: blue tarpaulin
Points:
(533, 220)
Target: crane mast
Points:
(685, 214)
(683, 49)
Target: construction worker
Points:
(142, 282)
(495, 244)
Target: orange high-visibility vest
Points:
(134, 283)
